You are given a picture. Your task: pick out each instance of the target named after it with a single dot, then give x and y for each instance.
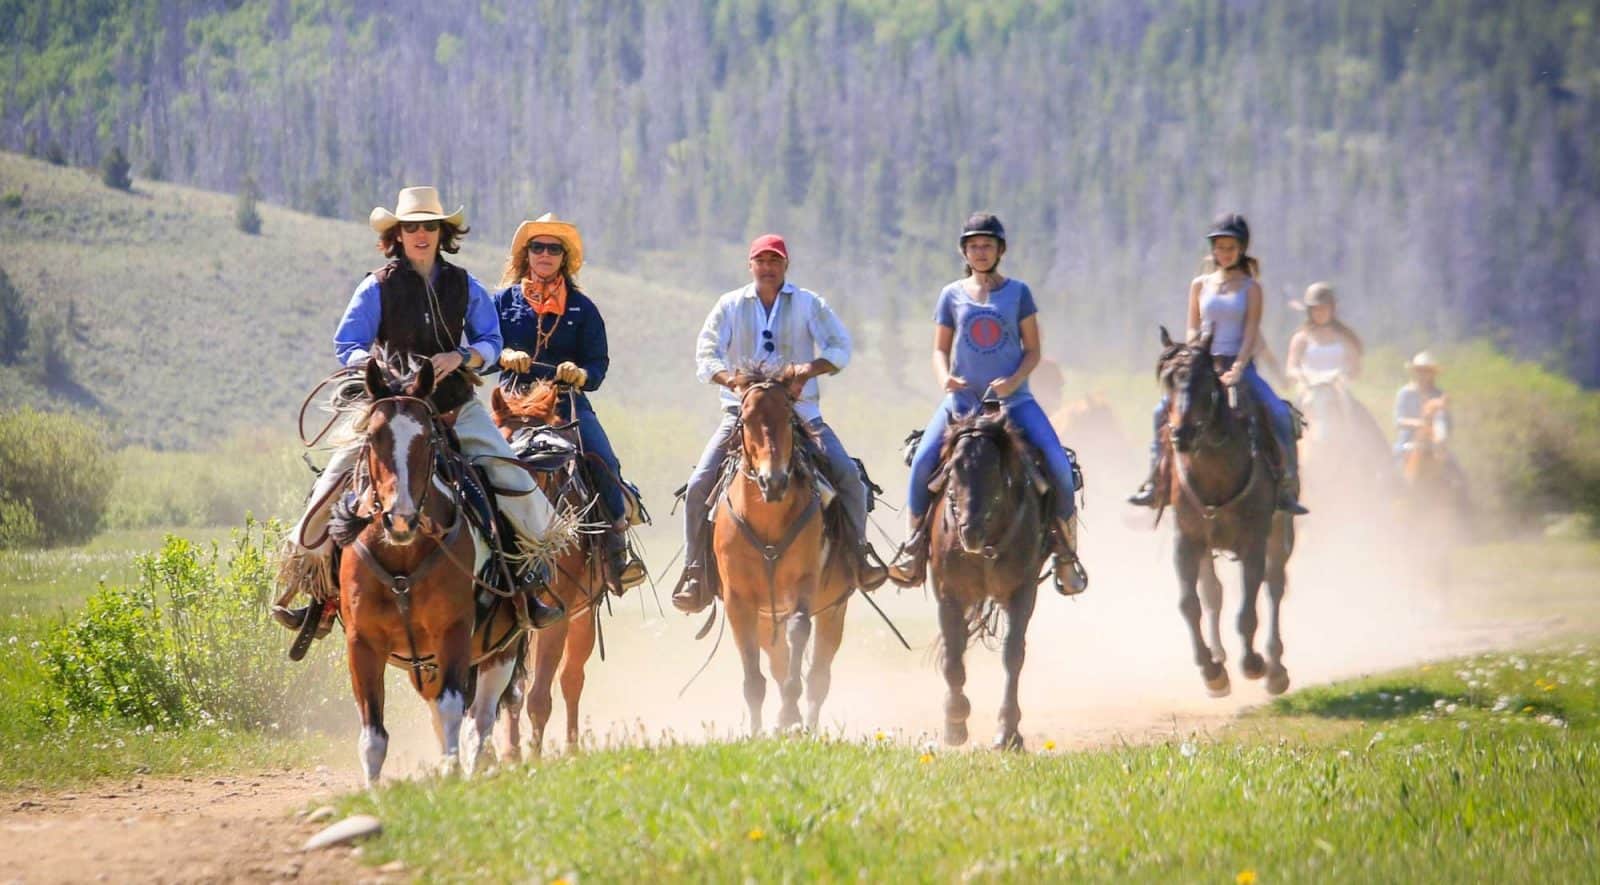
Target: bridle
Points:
(1205, 424)
(745, 467)
(432, 429)
(991, 551)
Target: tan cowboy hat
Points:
(548, 225)
(1423, 360)
(1317, 294)
(415, 204)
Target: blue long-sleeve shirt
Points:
(358, 329)
(578, 336)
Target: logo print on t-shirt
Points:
(985, 333)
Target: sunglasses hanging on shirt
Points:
(768, 346)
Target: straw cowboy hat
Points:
(1317, 294)
(415, 204)
(1423, 360)
(548, 225)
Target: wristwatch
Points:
(466, 356)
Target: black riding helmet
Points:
(1231, 224)
(983, 224)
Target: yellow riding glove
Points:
(571, 373)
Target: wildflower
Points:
(925, 758)
(879, 735)
(1187, 750)
(756, 835)
(1049, 745)
(1246, 876)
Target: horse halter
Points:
(991, 551)
(1204, 426)
(744, 468)
(432, 434)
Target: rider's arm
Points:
(711, 348)
(483, 325)
(358, 328)
(943, 338)
(1192, 334)
(1252, 324)
(1297, 355)
(594, 355)
(833, 339)
(1352, 360)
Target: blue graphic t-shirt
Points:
(988, 335)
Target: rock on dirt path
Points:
(217, 828)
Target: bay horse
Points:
(406, 581)
(578, 577)
(774, 561)
(1225, 500)
(987, 545)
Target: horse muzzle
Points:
(400, 528)
(773, 486)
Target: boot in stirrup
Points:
(911, 562)
(1289, 495)
(532, 611)
(692, 594)
(1070, 578)
(1150, 492)
(625, 567)
(870, 570)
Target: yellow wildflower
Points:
(1246, 876)
(926, 758)
(1049, 745)
(756, 835)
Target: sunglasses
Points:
(538, 248)
(412, 227)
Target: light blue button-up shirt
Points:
(802, 328)
(352, 341)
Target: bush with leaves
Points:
(56, 465)
(188, 644)
(246, 217)
(116, 171)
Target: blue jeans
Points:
(1277, 410)
(1035, 427)
(597, 444)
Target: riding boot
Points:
(870, 572)
(624, 567)
(693, 592)
(532, 611)
(295, 618)
(1150, 493)
(910, 566)
(1288, 479)
(1070, 578)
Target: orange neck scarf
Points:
(546, 296)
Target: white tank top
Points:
(1222, 314)
(1324, 358)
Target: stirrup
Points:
(692, 595)
(1148, 495)
(910, 567)
(1080, 577)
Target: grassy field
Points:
(1478, 769)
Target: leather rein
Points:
(1210, 511)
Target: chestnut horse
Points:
(406, 582)
(773, 558)
(1435, 488)
(987, 544)
(1225, 499)
(578, 579)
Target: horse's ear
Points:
(377, 384)
(498, 408)
(422, 385)
(1166, 338)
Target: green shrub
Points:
(56, 465)
(18, 527)
(245, 215)
(116, 171)
(188, 644)
(11, 200)
(245, 476)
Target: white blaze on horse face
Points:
(405, 431)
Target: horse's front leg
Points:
(450, 705)
(366, 678)
(1277, 585)
(798, 629)
(1019, 611)
(743, 621)
(1211, 607)
(953, 636)
(493, 677)
(579, 647)
(548, 645)
(1186, 554)
(1252, 568)
(830, 635)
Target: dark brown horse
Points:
(1224, 499)
(578, 580)
(774, 563)
(986, 546)
(406, 582)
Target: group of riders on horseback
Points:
(542, 327)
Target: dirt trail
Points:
(1109, 668)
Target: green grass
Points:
(1484, 769)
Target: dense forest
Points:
(1438, 160)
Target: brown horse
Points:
(1224, 499)
(774, 562)
(578, 579)
(406, 582)
(987, 543)
(1436, 489)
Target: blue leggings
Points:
(596, 443)
(1035, 426)
(1277, 410)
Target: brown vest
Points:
(410, 324)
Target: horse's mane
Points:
(997, 427)
(536, 402)
(761, 373)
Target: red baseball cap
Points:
(769, 243)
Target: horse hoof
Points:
(955, 733)
(1278, 681)
(1218, 684)
(1009, 742)
(1253, 666)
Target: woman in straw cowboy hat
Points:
(421, 305)
(1412, 399)
(1323, 347)
(553, 331)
